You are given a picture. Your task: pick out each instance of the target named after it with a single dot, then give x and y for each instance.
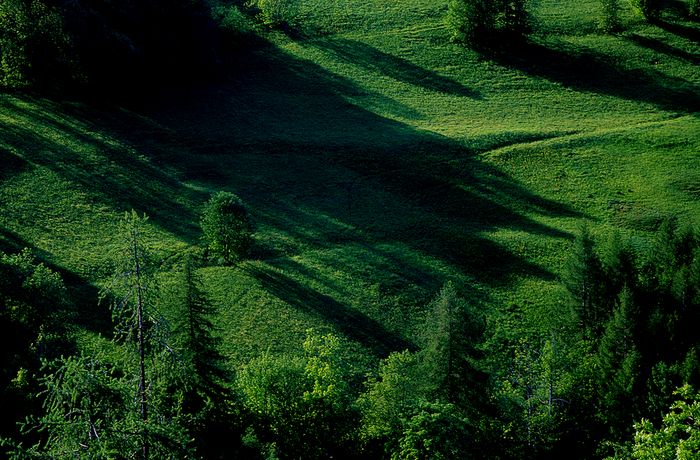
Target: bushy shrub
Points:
(694, 9)
(231, 21)
(610, 21)
(278, 13)
(483, 22)
(470, 20)
(513, 19)
(227, 228)
(650, 9)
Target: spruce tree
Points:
(449, 356)
(207, 398)
(619, 360)
(583, 279)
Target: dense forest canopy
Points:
(354, 229)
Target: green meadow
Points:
(379, 160)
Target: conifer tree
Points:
(127, 405)
(207, 398)
(583, 279)
(618, 362)
(139, 326)
(452, 333)
(133, 282)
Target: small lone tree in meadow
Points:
(478, 23)
(227, 227)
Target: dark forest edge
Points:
(477, 387)
(124, 49)
(127, 49)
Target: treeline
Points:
(506, 23)
(481, 384)
(127, 46)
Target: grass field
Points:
(379, 160)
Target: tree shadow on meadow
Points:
(317, 171)
(348, 321)
(659, 46)
(369, 58)
(83, 308)
(585, 69)
(113, 172)
(285, 135)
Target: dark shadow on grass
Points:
(113, 172)
(283, 135)
(351, 323)
(82, 308)
(661, 47)
(370, 58)
(686, 31)
(586, 70)
(11, 164)
(316, 170)
(9, 242)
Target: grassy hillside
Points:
(379, 160)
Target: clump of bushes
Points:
(488, 22)
(610, 22)
(278, 13)
(650, 9)
(227, 227)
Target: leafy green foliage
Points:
(35, 49)
(611, 16)
(484, 22)
(302, 405)
(417, 405)
(650, 9)
(227, 227)
(436, 431)
(533, 394)
(694, 9)
(471, 21)
(33, 323)
(278, 13)
(678, 438)
(232, 23)
(392, 396)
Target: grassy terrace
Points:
(379, 161)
